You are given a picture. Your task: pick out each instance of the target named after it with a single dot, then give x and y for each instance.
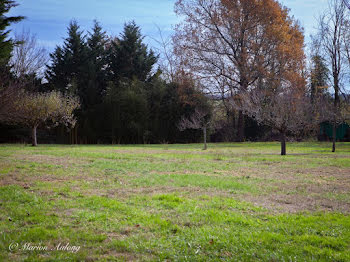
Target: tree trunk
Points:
(76, 134)
(336, 108)
(240, 127)
(232, 135)
(205, 138)
(73, 137)
(334, 133)
(283, 144)
(34, 140)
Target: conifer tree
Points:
(68, 62)
(96, 64)
(8, 89)
(319, 76)
(6, 44)
(95, 82)
(130, 57)
(68, 72)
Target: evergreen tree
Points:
(126, 104)
(96, 63)
(66, 72)
(130, 57)
(95, 83)
(56, 73)
(6, 44)
(130, 65)
(121, 100)
(319, 76)
(8, 90)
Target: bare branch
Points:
(28, 58)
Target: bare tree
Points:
(28, 61)
(168, 61)
(41, 109)
(347, 3)
(230, 43)
(346, 42)
(206, 117)
(28, 57)
(288, 111)
(333, 28)
(200, 119)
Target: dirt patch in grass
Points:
(282, 187)
(282, 203)
(291, 175)
(53, 160)
(13, 178)
(127, 192)
(29, 181)
(297, 190)
(218, 173)
(160, 151)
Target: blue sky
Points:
(48, 19)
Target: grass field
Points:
(233, 202)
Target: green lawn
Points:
(233, 202)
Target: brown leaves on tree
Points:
(233, 46)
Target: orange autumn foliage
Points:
(239, 41)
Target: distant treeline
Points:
(223, 80)
(123, 98)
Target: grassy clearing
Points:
(234, 202)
